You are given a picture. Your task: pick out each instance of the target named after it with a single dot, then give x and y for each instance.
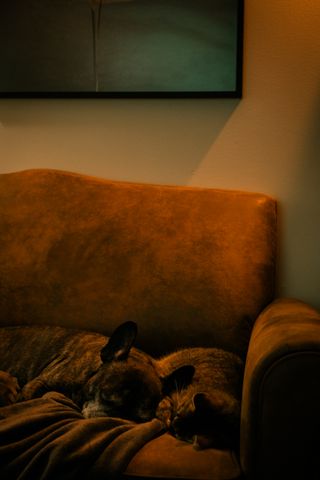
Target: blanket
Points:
(48, 439)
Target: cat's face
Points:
(126, 385)
(206, 419)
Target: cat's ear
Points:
(178, 379)
(120, 342)
(215, 402)
(201, 401)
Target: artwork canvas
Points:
(124, 48)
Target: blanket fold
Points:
(48, 438)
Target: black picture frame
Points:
(121, 48)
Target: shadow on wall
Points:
(299, 271)
(155, 141)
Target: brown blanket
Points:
(48, 439)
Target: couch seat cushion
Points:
(169, 458)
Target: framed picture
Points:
(121, 48)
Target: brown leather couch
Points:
(191, 266)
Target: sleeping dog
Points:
(104, 376)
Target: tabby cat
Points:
(201, 396)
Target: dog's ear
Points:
(178, 379)
(120, 342)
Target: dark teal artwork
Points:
(121, 48)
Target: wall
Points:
(268, 141)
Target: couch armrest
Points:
(280, 418)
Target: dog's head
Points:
(126, 384)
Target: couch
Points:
(193, 267)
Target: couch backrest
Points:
(191, 266)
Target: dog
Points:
(103, 376)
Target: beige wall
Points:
(268, 141)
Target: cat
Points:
(201, 396)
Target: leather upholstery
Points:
(281, 394)
(191, 266)
(169, 458)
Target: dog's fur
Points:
(104, 376)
